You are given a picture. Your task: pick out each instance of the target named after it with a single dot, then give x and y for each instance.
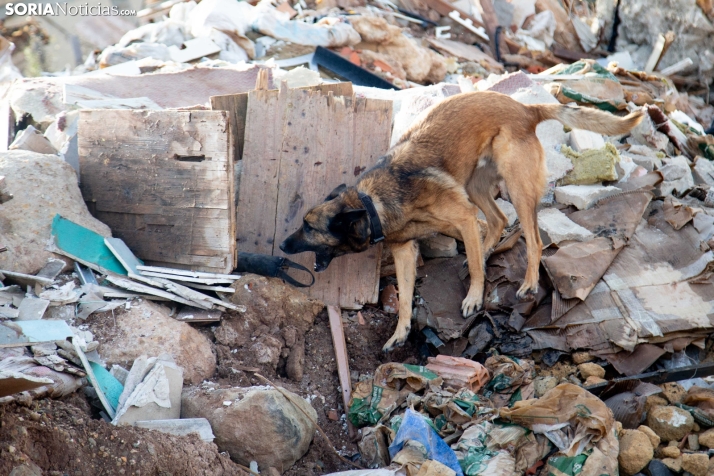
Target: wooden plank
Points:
(343, 366)
(176, 277)
(163, 183)
(192, 274)
(142, 288)
(237, 106)
(328, 140)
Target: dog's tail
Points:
(589, 119)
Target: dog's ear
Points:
(351, 224)
(336, 192)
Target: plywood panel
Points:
(317, 139)
(163, 182)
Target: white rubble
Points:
(583, 196)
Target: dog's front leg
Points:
(405, 256)
(472, 242)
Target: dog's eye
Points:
(306, 225)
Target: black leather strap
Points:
(375, 225)
(271, 266)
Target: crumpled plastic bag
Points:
(227, 16)
(114, 55)
(415, 428)
(578, 423)
(329, 32)
(512, 380)
(598, 87)
(373, 401)
(539, 35)
(168, 32)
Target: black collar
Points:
(375, 225)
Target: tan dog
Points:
(434, 181)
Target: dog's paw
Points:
(470, 305)
(397, 340)
(527, 291)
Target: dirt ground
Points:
(67, 437)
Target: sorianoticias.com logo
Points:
(56, 9)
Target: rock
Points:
(582, 357)
(26, 469)
(695, 463)
(32, 140)
(655, 401)
(693, 442)
(389, 299)
(508, 209)
(593, 380)
(43, 186)
(670, 423)
(588, 369)
(260, 425)
(272, 330)
(654, 439)
(673, 392)
(147, 329)
(674, 464)
(583, 196)
(635, 451)
(669, 452)
(703, 172)
(438, 246)
(707, 438)
(657, 468)
(558, 227)
(543, 384)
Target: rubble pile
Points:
(145, 187)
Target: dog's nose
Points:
(283, 245)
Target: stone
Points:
(588, 369)
(703, 172)
(43, 186)
(670, 423)
(272, 330)
(693, 442)
(674, 464)
(558, 227)
(695, 463)
(581, 140)
(32, 140)
(582, 357)
(147, 329)
(583, 196)
(508, 209)
(647, 162)
(654, 439)
(635, 451)
(543, 384)
(438, 246)
(707, 438)
(669, 452)
(593, 380)
(592, 166)
(673, 392)
(655, 401)
(261, 424)
(677, 175)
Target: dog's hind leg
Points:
(522, 165)
(405, 257)
(479, 189)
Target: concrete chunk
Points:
(558, 227)
(583, 196)
(581, 140)
(703, 172)
(180, 427)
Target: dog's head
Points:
(333, 228)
